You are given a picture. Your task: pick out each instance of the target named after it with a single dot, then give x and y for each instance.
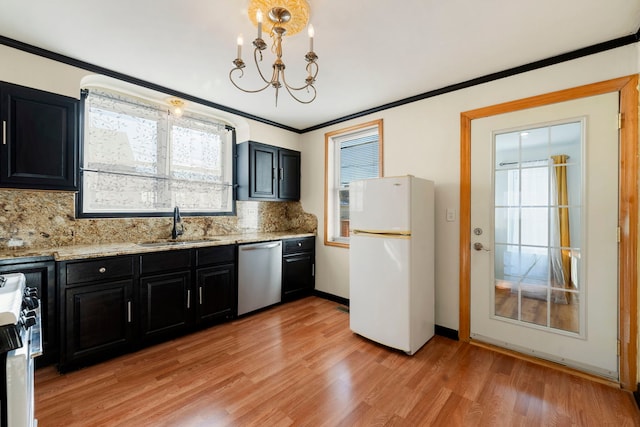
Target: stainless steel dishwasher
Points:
(259, 275)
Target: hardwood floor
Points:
(299, 364)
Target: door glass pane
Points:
(565, 311)
(535, 223)
(535, 186)
(537, 226)
(506, 225)
(534, 304)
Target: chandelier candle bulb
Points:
(311, 34)
(240, 41)
(259, 19)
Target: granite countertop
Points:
(65, 253)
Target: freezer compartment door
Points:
(380, 204)
(379, 289)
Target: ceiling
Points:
(371, 52)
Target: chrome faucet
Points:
(178, 228)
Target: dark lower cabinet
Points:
(298, 268)
(216, 285)
(216, 293)
(41, 275)
(97, 303)
(99, 321)
(113, 305)
(164, 305)
(165, 294)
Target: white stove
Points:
(20, 344)
(12, 288)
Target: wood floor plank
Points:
(298, 364)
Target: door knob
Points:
(479, 247)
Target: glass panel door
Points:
(537, 227)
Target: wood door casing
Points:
(628, 207)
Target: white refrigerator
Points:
(391, 261)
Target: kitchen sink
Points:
(176, 242)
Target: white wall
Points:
(423, 139)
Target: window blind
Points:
(359, 158)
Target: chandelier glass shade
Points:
(281, 17)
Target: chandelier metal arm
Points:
(245, 90)
(290, 89)
(280, 16)
(315, 93)
(260, 45)
(310, 80)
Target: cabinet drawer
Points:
(302, 244)
(215, 255)
(165, 261)
(99, 269)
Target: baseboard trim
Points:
(446, 332)
(331, 297)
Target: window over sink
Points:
(141, 159)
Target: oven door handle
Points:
(35, 336)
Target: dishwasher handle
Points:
(259, 246)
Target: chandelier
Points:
(284, 17)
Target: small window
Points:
(351, 154)
(140, 160)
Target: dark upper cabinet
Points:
(289, 174)
(39, 139)
(266, 172)
(263, 161)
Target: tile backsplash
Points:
(46, 219)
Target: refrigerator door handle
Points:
(383, 234)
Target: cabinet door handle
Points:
(200, 294)
(188, 298)
(128, 311)
(281, 173)
(273, 173)
(313, 270)
(102, 269)
(4, 132)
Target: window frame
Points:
(332, 177)
(80, 213)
